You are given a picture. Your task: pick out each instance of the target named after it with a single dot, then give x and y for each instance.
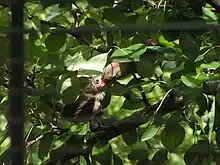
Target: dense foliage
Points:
(165, 110)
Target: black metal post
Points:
(16, 115)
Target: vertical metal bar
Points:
(16, 113)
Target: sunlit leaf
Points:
(4, 17)
(212, 118)
(207, 12)
(213, 65)
(79, 129)
(130, 53)
(96, 63)
(150, 132)
(83, 4)
(193, 81)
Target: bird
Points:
(89, 103)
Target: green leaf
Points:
(155, 95)
(93, 24)
(130, 137)
(160, 157)
(218, 136)
(217, 98)
(54, 41)
(144, 162)
(171, 35)
(130, 53)
(131, 95)
(119, 89)
(181, 3)
(98, 3)
(4, 47)
(70, 90)
(3, 157)
(165, 42)
(213, 65)
(83, 4)
(139, 146)
(202, 102)
(207, 12)
(149, 132)
(211, 119)
(198, 152)
(4, 136)
(4, 17)
(145, 67)
(189, 45)
(111, 13)
(200, 121)
(77, 62)
(61, 150)
(138, 155)
(117, 160)
(47, 3)
(192, 94)
(172, 136)
(132, 105)
(82, 50)
(70, 94)
(45, 145)
(78, 129)
(103, 155)
(193, 81)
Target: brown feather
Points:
(88, 104)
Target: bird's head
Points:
(98, 83)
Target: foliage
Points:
(70, 41)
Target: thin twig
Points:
(30, 143)
(144, 97)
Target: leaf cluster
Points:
(165, 110)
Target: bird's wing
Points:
(85, 108)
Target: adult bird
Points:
(88, 104)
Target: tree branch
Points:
(108, 132)
(171, 103)
(30, 143)
(76, 33)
